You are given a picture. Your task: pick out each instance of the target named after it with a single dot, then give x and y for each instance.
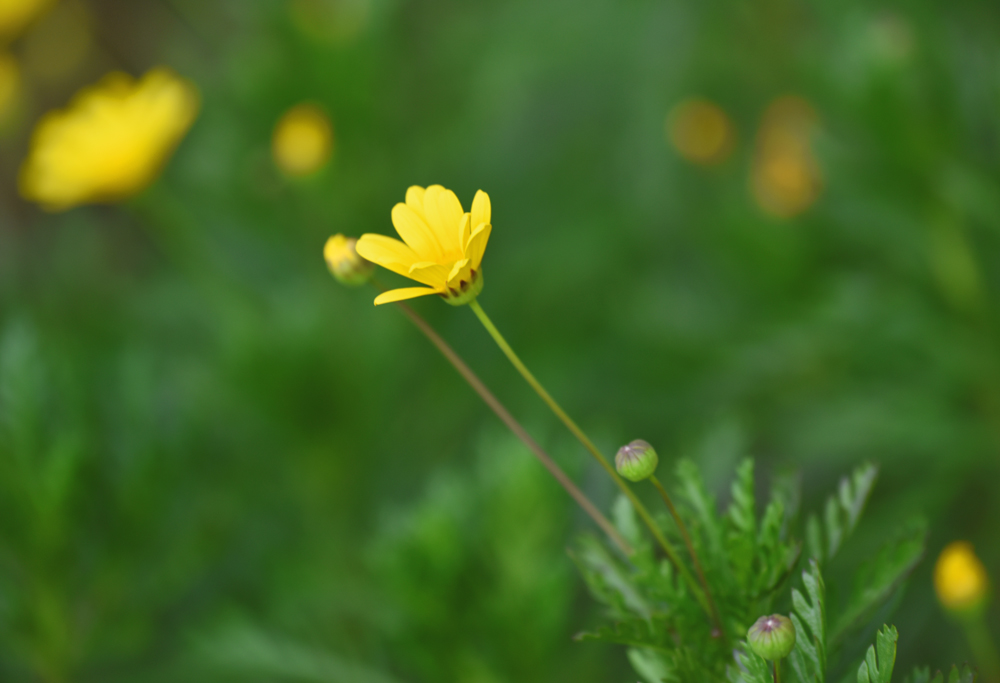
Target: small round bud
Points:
(344, 263)
(636, 461)
(960, 579)
(772, 637)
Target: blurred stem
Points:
(777, 671)
(589, 445)
(690, 547)
(508, 419)
(983, 647)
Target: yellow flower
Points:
(344, 263)
(700, 131)
(110, 143)
(302, 140)
(16, 14)
(443, 245)
(960, 578)
(786, 179)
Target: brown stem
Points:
(694, 556)
(508, 419)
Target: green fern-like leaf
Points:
(841, 514)
(919, 675)
(877, 580)
(706, 521)
(808, 658)
(609, 580)
(962, 674)
(878, 669)
(753, 669)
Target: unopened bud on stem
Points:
(344, 263)
(636, 461)
(772, 637)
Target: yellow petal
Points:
(401, 294)
(480, 209)
(466, 232)
(444, 215)
(477, 244)
(431, 274)
(415, 232)
(457, 270)
(386, 252)
(415, 199)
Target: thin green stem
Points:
(983, 647)
(690, 547)
(508, 419)
(588, 444)
(777, 671)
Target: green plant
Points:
(750, 560)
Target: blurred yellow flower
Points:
(16, 14)
(344, 263)
(701, 132)
(110, 143)
(303, 140)
(960, 578)
(10, 84)
(443, 247)
(786, 179)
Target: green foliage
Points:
(747, 559)
(809, 616)
(958, 674)
(877, 579)
(879, 669)
(841, 514)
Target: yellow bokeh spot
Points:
(786, 178)
(16, 14)
(10, 85)
(303, 140)
(960, 578)
(110, 143)
(700, 131)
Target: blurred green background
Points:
(218, 464)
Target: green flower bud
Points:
(344, 263)
(772, 637)
(636, 461)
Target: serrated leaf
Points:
(841, 514)
(919, 675)
(878, 669)
(877, 579)
(692, 490)
(963, 674)
(808, 657)
(753, 668)
(608, 579)
(649, 666)
(742, 512)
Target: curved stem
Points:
(588, 444)
(690, 547)
(501, 412)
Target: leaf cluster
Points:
(750, 560)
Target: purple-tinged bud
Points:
(636, 461)
(772, 637)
